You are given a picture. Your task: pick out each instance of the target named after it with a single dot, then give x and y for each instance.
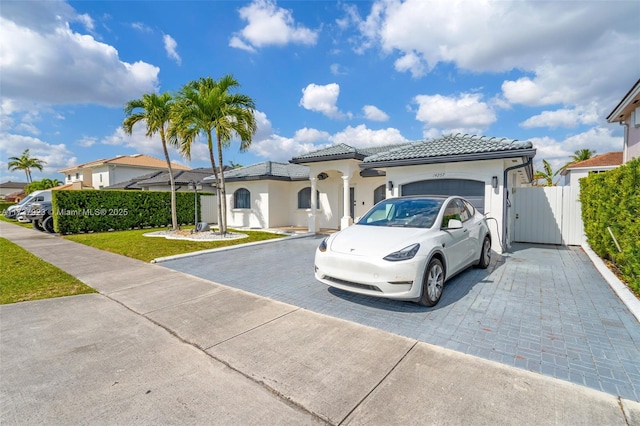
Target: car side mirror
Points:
(454, 224)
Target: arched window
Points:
(242, 199)
(304, 198)
(379, 194)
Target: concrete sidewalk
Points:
(163, 347)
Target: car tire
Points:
(485, 253)
(433, 283)
(37, 225)
(47, 224)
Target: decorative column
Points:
(313, 218)
(346, 220)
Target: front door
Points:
(352, 203)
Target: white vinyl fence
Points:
(548, 215)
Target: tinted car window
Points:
(452, 211)
(403, 212)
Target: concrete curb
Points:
(627, 297)
(237, 246)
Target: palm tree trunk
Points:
(223, 228)
(217, 177)
(174, 212)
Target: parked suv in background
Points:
(41, 216)
(35, 197)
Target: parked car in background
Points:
(41, 216)
(17, 210)
(406, 248)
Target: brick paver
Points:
(541, 308)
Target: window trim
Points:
(241, 191)
(308, 188)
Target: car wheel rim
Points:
(486, 251)
(434, 282)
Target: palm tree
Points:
(206, 106)
(38, 185)
(579, 155)
(546, 175)
(25, 162)
(155, 110)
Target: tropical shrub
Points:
(98, 211)
(612, 200)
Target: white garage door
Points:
(472, 190)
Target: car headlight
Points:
(323, 245)
(405, 254)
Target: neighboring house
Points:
(107, 172)
(600, 163)
(15, 197)
(348, 181)
(74, 186)
(182, 179)
(9, 187)
(627, 113)
(133, 184)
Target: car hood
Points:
(378, 241)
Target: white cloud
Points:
(268, 25)
(271, 146)
(361, 136)
(170, 46)
(56, 156)
(322, 99)
(465, 113)
(569, 118)
(410, 62)
(44, 61)
(141, 27)
(558, 153)
(337, 69)
(373, 113)
(568, 50)
(87, 141)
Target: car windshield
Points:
(404, 212)
(25, 200)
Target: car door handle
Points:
(464, 230)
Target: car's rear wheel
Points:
(47, 224)
(485, 253)
(433, 283)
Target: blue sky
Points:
(321, 72)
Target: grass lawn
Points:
(15, 222)
(133, 244)
(24, 277)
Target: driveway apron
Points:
(541, 308)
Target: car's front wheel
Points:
(485, 253)
(37, 226)
(433, 283)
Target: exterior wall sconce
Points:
(494, 182)
(322, 176)
(390, 186)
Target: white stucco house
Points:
(627, 114)
(110, 171)
(347, 181)
(598, 164)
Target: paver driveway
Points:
(541, 308)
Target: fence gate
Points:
(548, 215)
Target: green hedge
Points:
(612, 199)
(99, 211)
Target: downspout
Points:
(504, 199)
(624, 140)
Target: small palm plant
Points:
(546, 175)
